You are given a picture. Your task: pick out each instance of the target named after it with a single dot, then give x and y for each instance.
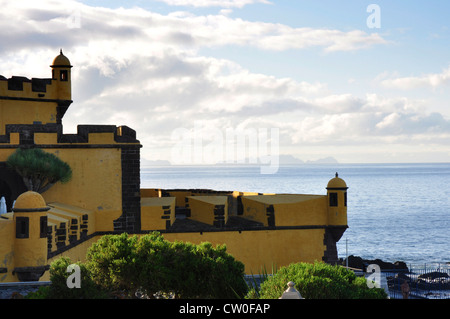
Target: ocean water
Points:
(396, 212)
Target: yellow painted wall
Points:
(4, 154)
(40, 109)
(265, 248)
(150, 192)
(7, 234)
(51, 90)
(308, 212)
(76, 254)
(31, 251)
(202, 208)
(45, 138)
(77, 211)
(152, 209)
(96, 183)
(25, 112)
(258, 250)
(254, 210)
(338, 215)
(180, 197)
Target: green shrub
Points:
(111, 261)
(319, 281)
(153, 265)
(58, 288)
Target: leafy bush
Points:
(153, 265)
(40, 170)
(59, 290)
(319, 281)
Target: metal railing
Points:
(426, 281)
(430, 281)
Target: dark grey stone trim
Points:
(31, 99)
(130, 221)
(331, 237)
(270, 213)
(337, 188)
(30, 273)
(27, 132)
(30, 210)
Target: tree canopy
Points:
(40, 170)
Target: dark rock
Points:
(400, 265)
(355, 262)
(434, 275)
(359, 263)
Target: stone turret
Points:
(30, 244)
(62, 76)
(337, 201)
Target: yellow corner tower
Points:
(25, 101)
(337, 201)
(30, 244)
(62, 77)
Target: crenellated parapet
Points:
(36, 100)
(51, 134)
(22, 87)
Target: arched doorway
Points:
(11, 185)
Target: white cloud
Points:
(51, 24)
(143, 69)
(432, 80)
(214, 3)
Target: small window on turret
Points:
(333, 199)
(43, 227)
(63, 75)
(22, 227)
(345, 199)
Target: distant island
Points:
(145, 162)
(283, 160)
(291, 160)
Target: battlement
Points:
(99, 134)
(23, 88)
(36, 100)
(16, 83)
(51, 134)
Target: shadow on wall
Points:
(11, 185)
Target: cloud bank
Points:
(143, 69)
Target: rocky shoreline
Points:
(357, 262)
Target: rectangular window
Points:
(63, 75)
(22, 227)
(345, 199)
(270, 213)
(333, 199)
(43, 227)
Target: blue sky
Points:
(312, 69)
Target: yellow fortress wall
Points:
(104, 195)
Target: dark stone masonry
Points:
(18, 290)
